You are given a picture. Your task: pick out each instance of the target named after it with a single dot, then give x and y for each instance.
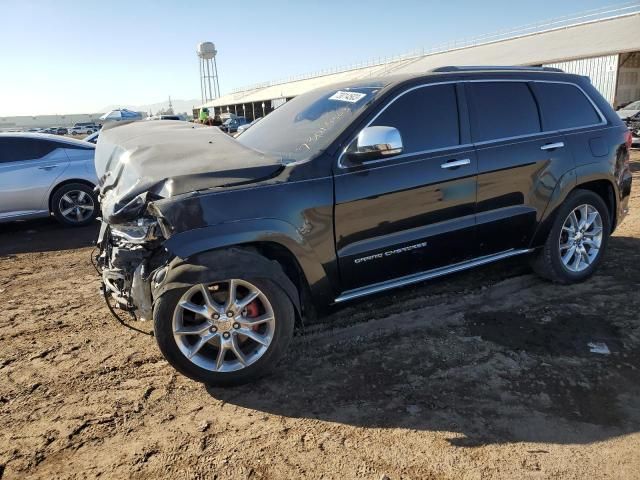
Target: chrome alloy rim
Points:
(76, 206)
(225, 326)
(581, 238)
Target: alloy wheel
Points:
(225, 326)
(581, 238)
(76, 206)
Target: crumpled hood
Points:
(147, 160)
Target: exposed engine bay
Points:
(130, 257)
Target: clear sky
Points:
(61, 56)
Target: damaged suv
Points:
(350, 190)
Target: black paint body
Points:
(329, 215)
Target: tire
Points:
(165, 323)
(78, 194)
(548, 261)
(89, 132)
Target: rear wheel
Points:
(74, 205)
(224, 333)
(577, 240)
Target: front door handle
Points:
(47, 167)
(455, 163)
(552, 146)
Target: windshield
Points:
(632, 106)
(303, 127)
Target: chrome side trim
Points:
(552, 146)
(603, 120)
(429, 274)
(467, 147)
(389, 103)
(456, 163)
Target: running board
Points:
(419, 277)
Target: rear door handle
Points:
(48, 167)
(455, 163)
(552, 146)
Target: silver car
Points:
(630, 111)
(42, 175)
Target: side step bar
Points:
(429, 274)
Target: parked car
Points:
(83, 130)
(630, 114)
(42, 175)
(242, 128)
(630, 111)
(51, 131)
(230, 125)
(62, 131)
(88, 125)
(351, 190)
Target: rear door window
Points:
(18, 149)
(502, 110)
(564, 106)
(427, 118)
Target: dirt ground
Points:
(485, 374)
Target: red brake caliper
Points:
(253, 311)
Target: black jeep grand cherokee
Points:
(349, 190)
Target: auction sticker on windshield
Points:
(351, 97)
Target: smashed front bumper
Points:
(130, 257)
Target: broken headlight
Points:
(143, 230)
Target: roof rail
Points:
(474, 68)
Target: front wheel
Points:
(577, 241)
(224, 333)
(74, 205)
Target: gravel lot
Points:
(485, 374)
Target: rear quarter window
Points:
(73, 146)
(45, 147)
(563, 105)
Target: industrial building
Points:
(24, 122)
(603, 44)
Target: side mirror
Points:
(374, 143)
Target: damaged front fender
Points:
(257, 231)
(220, 265)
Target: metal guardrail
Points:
(566, 21)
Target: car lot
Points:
(486, 374)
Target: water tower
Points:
(209, 86)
